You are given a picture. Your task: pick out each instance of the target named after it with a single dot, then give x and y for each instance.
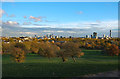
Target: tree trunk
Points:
(73, 59)
(49, 58)
(63, 59)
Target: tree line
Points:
(71, 48)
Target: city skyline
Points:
(65, 19)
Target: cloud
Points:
(54, 31)
(36, 19)
(27, 23)
(2, 12)
(49, 21)
(98, 21)
(75, 28)
(12, 15)
(60, 31)
(11, 23)
(28, 33)
(87, 25)
(40, 24)
(25, 17)
(71, 32)
(35, 26)
(48, 31)
(7, 0)
(80, 12)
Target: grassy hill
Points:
(35, 66)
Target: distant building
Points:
(47, 36)
(51, 36)
(70, 36)
(91, 36)
(61, 37)
(103, 35)
(110, 33)
(35, 36)
(95, 35)
(87, 36)
(56, 37)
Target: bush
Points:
(112, 50)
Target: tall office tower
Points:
(110, 34)
(87, 36)
(94, 34)
(91, 36)
(47, 35)
(103, 35)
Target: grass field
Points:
(35, 66)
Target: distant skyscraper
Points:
(103, 35)
(35, 36)
(91, 36)
(47, 35)
(87, 36)
(56, 37)
(70, 36)
(94, 34)
(61, 37)
(110, 34)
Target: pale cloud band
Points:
(78, 29)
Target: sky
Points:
(59, 0)
(59, 18)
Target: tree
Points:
(113, 50)
(48, 50)
(70, 49)
(20, 45)
(34, 47)
(18, 55)
(62, 54)
(6, 48)
(88, 46)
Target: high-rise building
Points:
(94, 34)
(56, 37)
(91, 36)
(103, 35)
(87, 36)
(61, 37)
(51, 36)
(70, 36)
(47, 36)
(110, 33)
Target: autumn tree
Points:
(63, 55)
(113, 50)
(70, 49)
(34, 48)
(88, 46)
(7, 47)
(18, 55)
(27, 46)
(48, 50)
(20, 45)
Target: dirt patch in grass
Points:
(114, 73)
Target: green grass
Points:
(35, 66)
